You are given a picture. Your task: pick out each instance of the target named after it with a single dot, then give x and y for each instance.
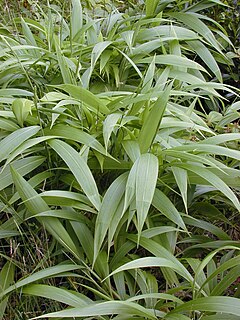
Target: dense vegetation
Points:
(119, 151)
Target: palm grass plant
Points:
(110, 159)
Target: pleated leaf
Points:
(23, 166)
(214, 180)
(226, 305)
(35, 204)
(57, 294)
(42, 274)
(76, 18)
(75, 134)
(174, 60)
(182, 182)
(153, 121)
(109, 125)
(85, 96)
(146, 180)
(166, 207)
(6, 279)
(13, 140)
(104, 308)
(107, 210)
(148, 262)
(79, 169)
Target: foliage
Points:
(119, 156)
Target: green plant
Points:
(109, 156)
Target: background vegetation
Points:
(119, 151)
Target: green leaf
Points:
(15, 92)
(79, 169)
(146, 180)
(151, 6)
(107, 210)
(61, 295)
(13, 140)
(182, 182)
(86, 97)
(226, 305)
(209, 148)
(23, 166)
(153, 121)
(4, 234)
(162, 203)
(109, 125)
(214, 180)
(206, 57)
(103, 308)
(192, 21)
(174, 60)
(76, 18)
(159, 251)
(63, 65)
(42, 274)
(148, 262)
(75, 134)
(35, 204)
(6, 279)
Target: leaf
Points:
(28, 34)
(214, 180)
(6, 279)
(86, 97)
(220, 316)
(96, 53)
(182, 182)
(23, 166)
(108, 207)
(63, 65)
(58, 294)
(226, 305)
(146, 180)
(15, 92)
(103, 308)
(42, 274)
(148, 262)
(206, 57)
(221, 138)
(35, 204)
(8, 125)
(159, 251)
(209, 148)
(132, 149)
(4, 234)
(76, 18)
(79, 169)
(153, 121)
(13, 140)
(75, 134)
(151, 6)
(192, 21)
(224, 284)
(153, 295)
(174, 60)
(162, 203)
(108, 126)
